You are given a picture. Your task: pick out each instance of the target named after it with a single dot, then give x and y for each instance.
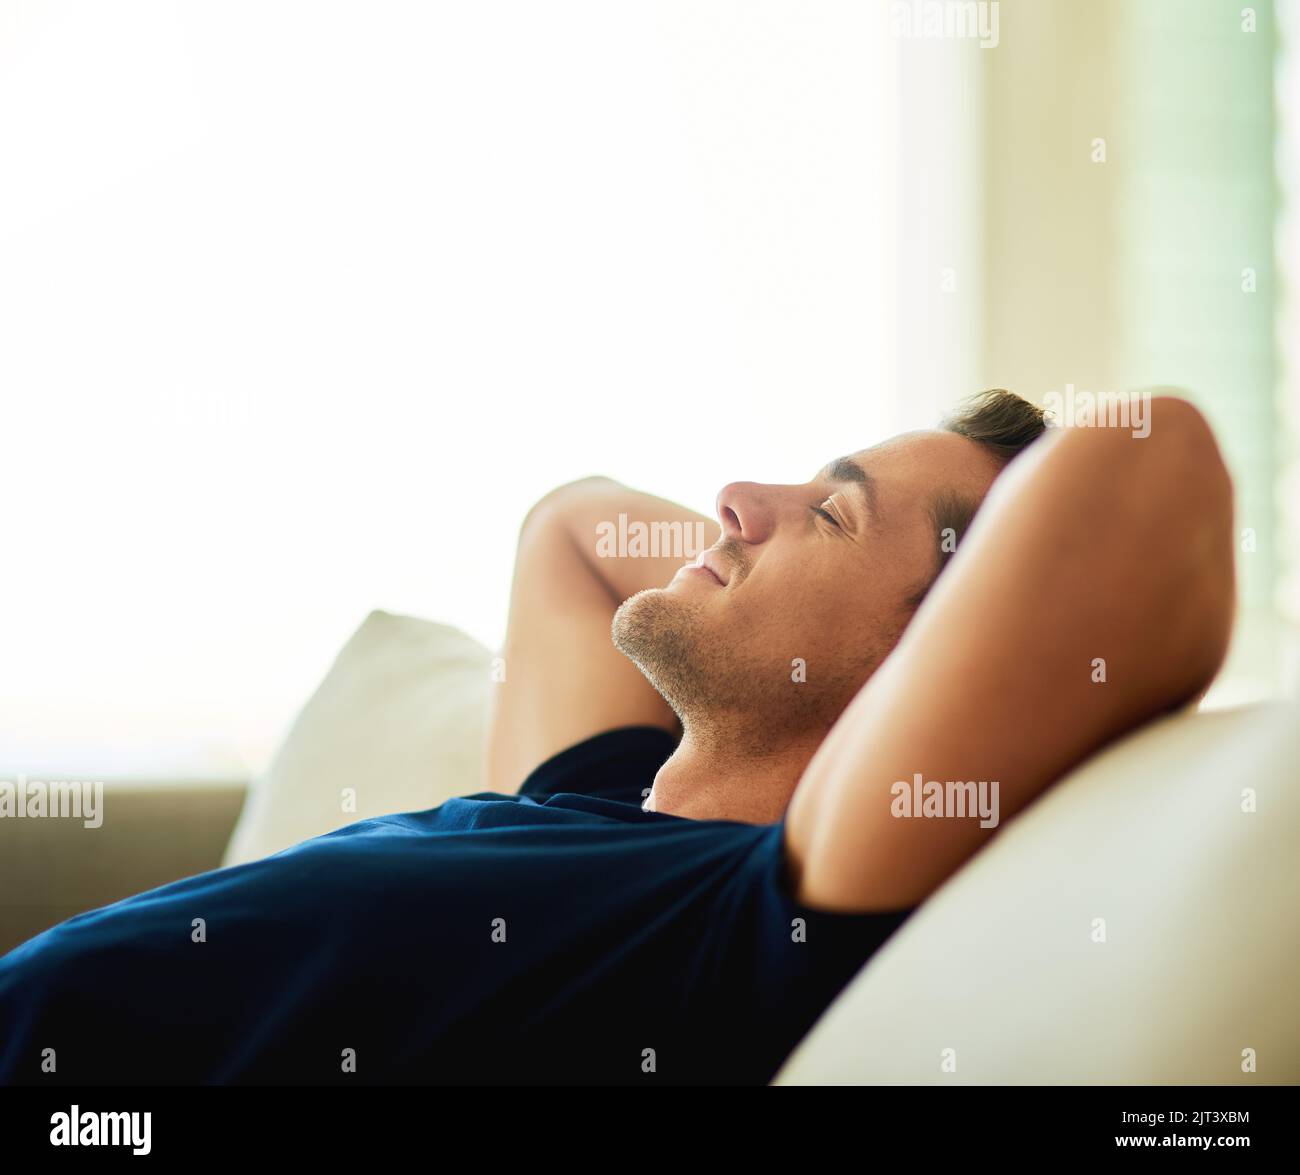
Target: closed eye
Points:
(826, 514)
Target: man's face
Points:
(806, 591)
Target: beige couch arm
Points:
(152, 833)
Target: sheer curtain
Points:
(1138, 164)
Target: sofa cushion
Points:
(397, 725)
(1139, 923)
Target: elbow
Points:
(1190, 498)
(558, 504)
(1184, 436)
(1189, 480)
(1165, 491)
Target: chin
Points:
(661, 634)
(642, 621)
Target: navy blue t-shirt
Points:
(561, 935)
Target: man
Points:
(691, 838)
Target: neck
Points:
(719, 779)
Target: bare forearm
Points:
(563, 678)
(628, 539)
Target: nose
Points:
(747, 511)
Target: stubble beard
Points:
(726, 698)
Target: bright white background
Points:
(303, 304)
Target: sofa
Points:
(1140, 923)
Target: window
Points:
(303, 305)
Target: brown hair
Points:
(1003, 423)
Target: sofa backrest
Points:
(1139, 923)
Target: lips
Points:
(714, 566)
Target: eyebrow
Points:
(845, 469)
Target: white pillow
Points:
(1202, 953)
(399, 720)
